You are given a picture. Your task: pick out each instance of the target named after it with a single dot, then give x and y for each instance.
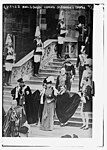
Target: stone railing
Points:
(49, 53)
(25, 65)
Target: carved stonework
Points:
(27, 67)
(70, 49)
(20, 71)
(48, 54)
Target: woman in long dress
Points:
(49, 107)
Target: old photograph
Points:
(47, 70)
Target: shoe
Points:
(35, 75)
(85, 128)
(82, 126)
(79, 90)
(62, 125)
(65, 123)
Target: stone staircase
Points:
(35, 83)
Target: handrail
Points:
(30, 55)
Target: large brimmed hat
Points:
(49, 80)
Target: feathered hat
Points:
(50, 79)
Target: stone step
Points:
(60, 64)
(53, 67)
(50, 71)
(45, 74)
(41, 79)
(62, 60)
(75, 119)
(71, 123)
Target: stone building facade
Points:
(21, 21)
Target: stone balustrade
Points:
(25, 65)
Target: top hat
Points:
(20, 80)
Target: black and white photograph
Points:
(51, 54)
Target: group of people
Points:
(85, 88)
(84, 67)
(59, 100)
(39, 107)
(42, 106)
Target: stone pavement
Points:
(59, 131)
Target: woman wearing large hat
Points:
(49, 105)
